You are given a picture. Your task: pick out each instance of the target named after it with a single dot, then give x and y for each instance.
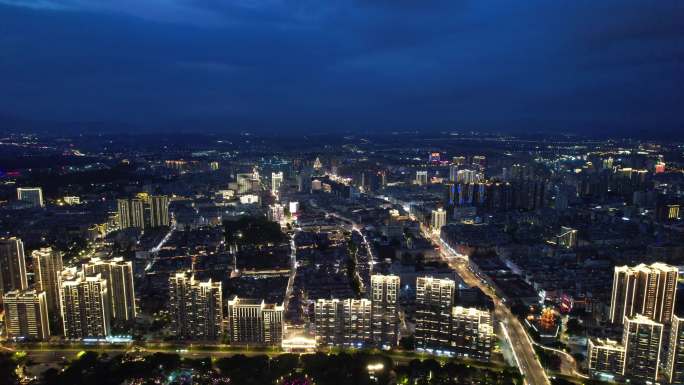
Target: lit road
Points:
(155, 250)
(293, 270)
(520, 342)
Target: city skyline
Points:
(361, 192)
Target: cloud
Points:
(306, 63)
(38, 4)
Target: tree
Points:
(408, 343)
(252, 231)
(7, 369)
(574, 327)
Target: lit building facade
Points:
(276, 181)
(343, 323)
(674, 365)
(438, 219)
(47, 265)
(159, 211)
(276, 213)
(131, 213)
(12, 265)
(606, 358)
(642, 338)
(384, 309)
(196, 307)
(421, 178)
(85, 307)
(31, 195)
(434, 302)
(26, 315)
(472, 333)
(648, 290)
(120, 287)
(254, 322)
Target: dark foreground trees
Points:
(354, 368)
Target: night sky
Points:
(614, 66)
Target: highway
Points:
(520, 342)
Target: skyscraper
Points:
(675, 356)
(605, 357)
(196, 307)
(276, 181)
(466, 176)
(254, 322)
(642, 338)
(276, 212)
(85, 307)
(384, 311)
(421, 178)
(343, 323)
(159, 211)
(438, 219)
(12, 265)
(31, 195)
(329, 321)
(244, 183)
(131, 213)
(472, 333)
(47, 266)
(120, 289)
(453, 172)
(648, 290)
(26, 315)
(434, 300)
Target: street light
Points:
(374, 368)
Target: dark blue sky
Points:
(323, 65)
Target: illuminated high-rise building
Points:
(472, 333)
(606, 358)
(85, 307)
(47, 266)
(438, 219)
(648, 290)
(674, 364)
(329, 321)
(467, 176)
(434, 302)
(159, 211)
(421, 177)
(276, 181)
(453, 173)
(12, 265)
(120, 289)
(343, 323)
(196, 307)
(254, 322)
(26, 315)
(276, 213)
(31, 195)
(244, 183)
(642, 338)
(131, 213)
(384, 309)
